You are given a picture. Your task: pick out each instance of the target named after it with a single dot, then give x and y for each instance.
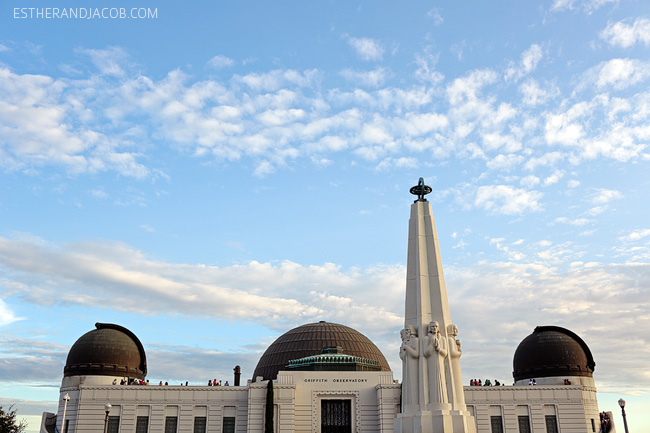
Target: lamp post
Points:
(621, 403)
(66, 398)
(107, 408)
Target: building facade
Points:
(329, 378)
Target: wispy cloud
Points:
(367, 48)
(625, 34)
(636, 235)
(6, 315)
(374, 78)
(219, 61)
(586, 6)
(529, 60)
(507, 200)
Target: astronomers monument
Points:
(432, 387)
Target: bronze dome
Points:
(109, 350)
(552, 351)
(309, 340)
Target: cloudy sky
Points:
(215, 174)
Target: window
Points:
(336, 416)
(171, 422)
(228, 424)
(200, 424)
(593, 425)
(496, 424)
(142, 424)
(524, 423)
(551, 424)
(113, 424)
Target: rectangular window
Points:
(336, 416)
(228, 424)
(524, 423)
(171, 422)
(113, 424)
(142, 424)
(200, 423)
(551, 424)
(593, 425)
(496, 424)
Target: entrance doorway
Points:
(335, 416)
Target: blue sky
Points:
(222, 172)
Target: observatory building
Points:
(329, 378)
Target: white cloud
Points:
(504, 162)
(625, 35)
(468, 87)
(426, 68)
(277, 78)
(546, 159)
(636, 235)
(504, 199)
(533, 94)
(110, 61)
(389, 163)
(6, 315)
(374, 78)
(3, 48)
(616, 74)
(573, 222)
(434, 14)
(529, 60)
(554, 178)
(529, 181)
(603, 196)
(587, 6)
(367, 48)
(255, 291)
(220, 61)
(274, 119)
(37, 115)
(573, 183)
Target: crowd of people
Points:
(487, 382)
(133, 382)
(211, 382)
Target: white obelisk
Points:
(432, 389)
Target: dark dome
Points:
(109, 350)
(552, 351)
(309, 340)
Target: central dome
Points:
(309, 340)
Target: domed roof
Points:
(309, 340)
(552, 351)
(109, 350)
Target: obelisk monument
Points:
(432, 388)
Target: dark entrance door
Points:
(335, 416)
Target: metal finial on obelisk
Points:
(420, 190)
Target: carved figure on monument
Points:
(435, 349)
(409, 351)
(457, 396)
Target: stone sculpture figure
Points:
(457, 397)
(409, 352)
(435, 349)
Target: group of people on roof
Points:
(487, 382)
